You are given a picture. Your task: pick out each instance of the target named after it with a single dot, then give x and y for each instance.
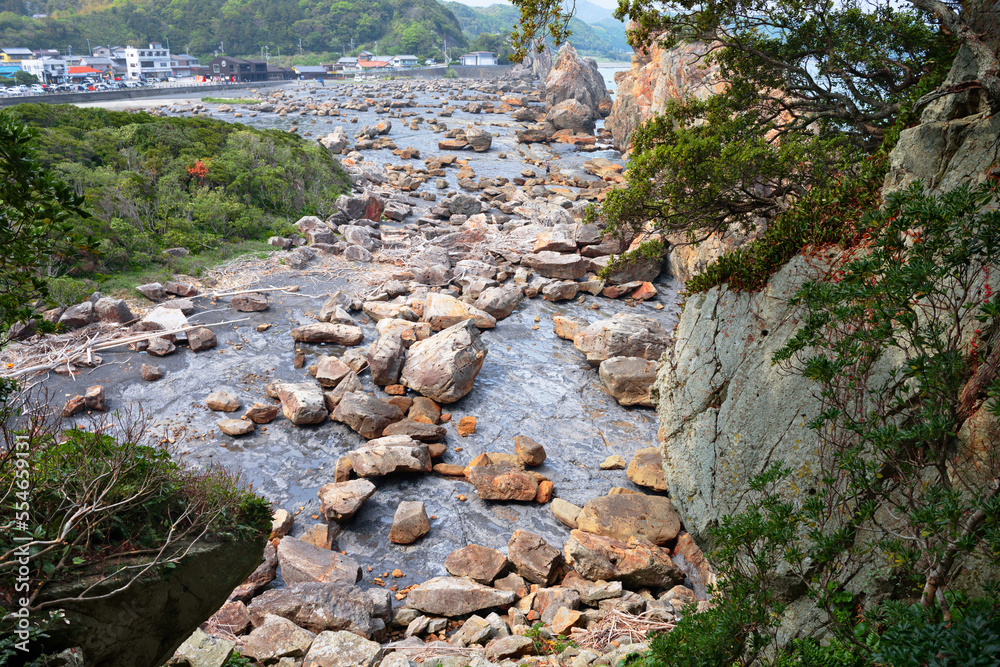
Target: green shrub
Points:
(450, 74)
(98, 496)
(154, 183)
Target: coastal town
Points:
(37, 71)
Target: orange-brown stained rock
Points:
(466, 426)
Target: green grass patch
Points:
(228, 100)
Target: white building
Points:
(479, 59)
(404, 61)
(48, 70)
(150, 63)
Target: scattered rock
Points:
(635, 563)
(409, 523)
(328, 332)
(646, 468)
(474, 631)
(152, 291)
(442, 311)
(222, 401)
(534, 558)
(151, 373)
(500, 482)
(628, 379)
(456, 596)
(395, 453)
(201, 339)
(236, 427)
(94, 398)
(301, 562)
(508, 648)
(624, 335)
(466, 426)
(319, 607)
(341, 501)
(567, 327)
(341, 649)
(385, 359)
(160, 347)
(421, 431)
(276, 638)
(302, 403)
(251, 302)
(565, 511)
(528, 451)
(444, 367)
(613, 462)
(261, 413)
(624, 515)
(475, 562)
(366, 414)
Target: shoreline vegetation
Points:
(217, 189)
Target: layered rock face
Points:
(954, 144)
(725, 412)
(657, 76)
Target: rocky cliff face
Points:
(957, 141)
(725, 412)
(656, 76)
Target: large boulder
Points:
(573, 115)
(302, 403)
(624, 515)
(635, 563)
(444, 366)
(323, 606)
(442, 311)
(534, 559)
(366, 414)
(575, 78)
(302, 562)
(341, 501)
(624, 335)
(456, 596)
(395, 453)
(628, 379)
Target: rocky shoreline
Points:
(434, 275)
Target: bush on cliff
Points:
(155, 183)
(902, 342)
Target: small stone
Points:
(152, 291)
(565, 619)
(410, 522)
(566, 512)
(614, 462)
(201, 339)
(151, 373)
(160, 347)
(236, 426)
(341, 501)
(74, 406)
(94, 398)
(481, 564)
(466, 426)
(249, 303)
(646, 469)
(222, 401)
(528, 451)
(544, 493)
(281, 523)
(535, 559)
(261, 413)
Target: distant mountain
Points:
(241, 27)
(590, 13)
(606, 39)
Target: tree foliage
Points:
(241, 27)
(36, 232)
(155, 183)
(902, 342)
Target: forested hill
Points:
(601, 38)
(241, 26)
